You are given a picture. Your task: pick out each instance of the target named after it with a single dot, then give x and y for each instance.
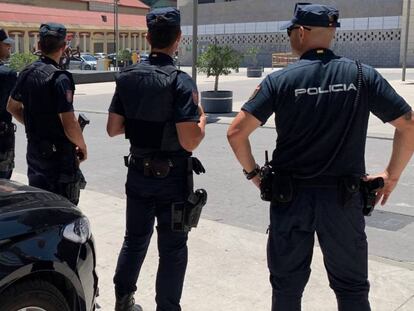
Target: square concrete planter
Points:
(254, 72)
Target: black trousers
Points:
(7, 143)
(46, 172)
(149, 198)
(340, 228)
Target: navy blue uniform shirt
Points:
(312, 100)
(186, 93)
(8, 79)
(62, 87)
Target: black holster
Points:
(70, 186)
(7, 160)
(369, 193)
(7, 138)
(185, 215)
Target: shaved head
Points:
(305, 38)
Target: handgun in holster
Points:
(185, 215)
(369, 192)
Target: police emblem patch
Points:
(69, 96)
(256, 91)
(195, 97)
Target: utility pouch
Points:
(348, 186)
(282, 188)
(185, 215)
(46, 149)
(156, 167)
(369, 193)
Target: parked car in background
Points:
(100, 55)
(47, 252)
(144, 57)
(84, 62)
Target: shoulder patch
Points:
(69, 96)
(255, 92)
(195, 97)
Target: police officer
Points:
(319, 159)
(8, 78)
(156, 106)
(42, 100)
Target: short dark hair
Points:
(50, 44)
(164, 36)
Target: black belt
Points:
(141, 163)
(324, 181)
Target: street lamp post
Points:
(195, 26)
(116, 32)
(407, 27)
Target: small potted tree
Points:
(216, 61)
(253, 70)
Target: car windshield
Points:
(89, 58)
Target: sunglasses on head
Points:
(291, 28)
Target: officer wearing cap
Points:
(321, 105)
(42, 100)
(8, 78)
(156, 106)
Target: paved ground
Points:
(227, 269)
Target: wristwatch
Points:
(252, 174)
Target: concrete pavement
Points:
(227, 267)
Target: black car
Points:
(47, 253)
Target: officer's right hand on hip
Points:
(389, 185)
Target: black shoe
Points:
(126, 303)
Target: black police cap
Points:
(52, 29)
(4, 37)
(163, 17)
(318, 15)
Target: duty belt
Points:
(141, 163)
(323, 181)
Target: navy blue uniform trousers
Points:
(149, 198)
(46, 172)
(340, 228)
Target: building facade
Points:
(90, 23)
(371, 30)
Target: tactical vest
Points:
(147, 93)
(41, 117)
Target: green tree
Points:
(124, 56)
(251, 55)
(218, 60)
(20, 60)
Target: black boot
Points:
(126, 303)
